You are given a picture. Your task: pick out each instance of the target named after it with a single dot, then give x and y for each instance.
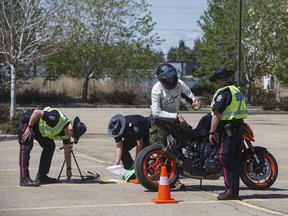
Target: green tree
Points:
(257, 56)
(219, 42)
(278, 28)
(138, 60)
(264, 44)
(28, 32)
(103, 38)
(263, 38)
(181, 53)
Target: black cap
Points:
(116, 125)
(220, 72)
(79, 129)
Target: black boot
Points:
(27, 181)
(228, 196)
(44, 179)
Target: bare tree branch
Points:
(29, 33)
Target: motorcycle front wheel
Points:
(259, 176)
(148, 167)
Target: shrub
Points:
(114, 97)
(283, 105)
(4, 96)
(269, 105)
(6, 126)
(183, 106)
(270, 102)
(4, 113)
(258, 96)
(10, 127)
(144, 100)
(121, 97)
(32, 96)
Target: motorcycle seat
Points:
(197, 132)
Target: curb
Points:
(8, 137)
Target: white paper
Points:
(117, 169)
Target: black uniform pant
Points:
(126, 158)
(26, 147)
(230, 157)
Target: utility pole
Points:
(239, 77)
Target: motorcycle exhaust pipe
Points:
(171, 155)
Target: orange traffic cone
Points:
(164, 195)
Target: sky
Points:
(177, 20)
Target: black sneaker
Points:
(230, 196)
(27, 181)
(44, 179)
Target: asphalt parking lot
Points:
(112, 196)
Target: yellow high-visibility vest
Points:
(237, 108)
(53, 132)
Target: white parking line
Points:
(249, 205)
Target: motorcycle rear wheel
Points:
(148, 167)
(259, 176)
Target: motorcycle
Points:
(190, 154)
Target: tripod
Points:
(83, 178)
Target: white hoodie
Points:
(165, 103)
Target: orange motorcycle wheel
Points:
(259, 176)
(148, 167)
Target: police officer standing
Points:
(228, 110)
(128, 132)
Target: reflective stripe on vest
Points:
(237, 108)
(52, 132)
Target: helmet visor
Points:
(171, 72)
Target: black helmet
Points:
(164, 71)
(221, 72)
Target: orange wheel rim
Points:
(151, 166)
(269, 166)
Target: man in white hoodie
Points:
(166, 97)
